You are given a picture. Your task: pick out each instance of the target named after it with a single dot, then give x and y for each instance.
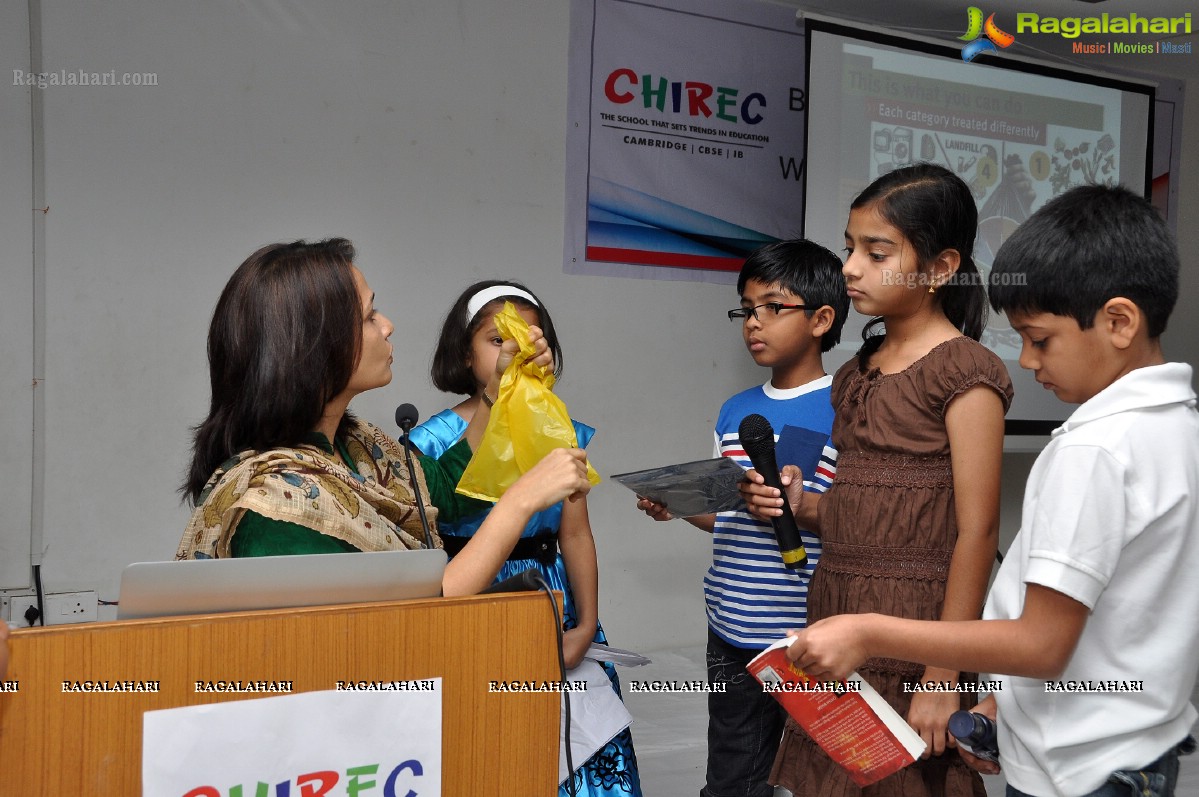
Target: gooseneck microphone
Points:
(406, 418)
(757, 438)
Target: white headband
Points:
(487, 295)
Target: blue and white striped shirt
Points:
(752, 598)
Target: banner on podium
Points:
(382, 738)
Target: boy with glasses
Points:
(793, 305)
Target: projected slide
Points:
(1011, 138)
(1016, 137)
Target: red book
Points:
(848, 719)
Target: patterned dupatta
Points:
(373, 509)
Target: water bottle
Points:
(976, 732)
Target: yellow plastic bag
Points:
(527, 422)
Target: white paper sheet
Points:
(596, 715)
(625, 658)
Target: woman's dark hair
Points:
(451, 370)
(284, 341)
(935, 211)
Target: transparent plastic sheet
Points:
(527, 422)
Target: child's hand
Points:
(929, 717)
(574, 644)
(561, 474)
(765, 502)
(509, 348)
(654, 510)
(987, 708)
(830, 649)
(978, 764)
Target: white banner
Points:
(685, 143)
(385, 743)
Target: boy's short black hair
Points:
(1091, 244)
(805, 269)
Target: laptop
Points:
(207, 586)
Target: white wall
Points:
(432, 134)
(16, 302)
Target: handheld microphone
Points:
(757, 438)
(406, 418)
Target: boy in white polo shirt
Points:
(1092, 617)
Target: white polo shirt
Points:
(1110, 519)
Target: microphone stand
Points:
(406, 426)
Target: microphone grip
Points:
(785, 527)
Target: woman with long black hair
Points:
(280, 466)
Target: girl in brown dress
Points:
(910, 525)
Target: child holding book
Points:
(793, 305)
(1091, 617)
(910, 526)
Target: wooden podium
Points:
(493, 743)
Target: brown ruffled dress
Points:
(888, 532)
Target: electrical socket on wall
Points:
(60, 607)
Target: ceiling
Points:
(946, 19)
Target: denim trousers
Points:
(744, 725)
(1156, 780)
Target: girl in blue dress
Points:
(557, 541)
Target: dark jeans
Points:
(744, 725)
(1156, 780)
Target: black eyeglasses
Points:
(775, 308)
